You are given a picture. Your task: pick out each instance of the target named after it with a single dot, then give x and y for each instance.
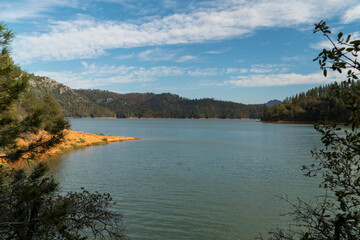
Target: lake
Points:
(194, 179)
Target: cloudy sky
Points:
(247, 51)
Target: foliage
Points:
(30, 207)
(51, 111)
(97, 103)
(20, 117)
(166, 105)
(337, 214)
(72, 103)
(317, 104)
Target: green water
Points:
(194, 179)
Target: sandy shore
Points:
(90, 117)
(77, 140)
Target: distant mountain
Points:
(166, 105)
(72, 103)
(98, 103)
(271, 103)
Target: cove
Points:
(194, 178)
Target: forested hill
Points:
(317, 104)
(98, 103)
(72, 103)
(166, 105)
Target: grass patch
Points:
(4, 165)
(75, 146)
(64, 149)
(104, 139)
(101, 134)
(98, 143)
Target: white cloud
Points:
(214, 52)
(352, 15)
(169, 3)
(123, 57)
(201, 72)
(321, 45)
(186, 58)
(267, 80)
(355, 35)
(156, 54)
(328, 45)
(292, 58)
(14, 11)
(235, 70)
(268, 68)
(95, 75)
(88, 38)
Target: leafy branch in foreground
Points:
(336, 214)
(31, 209)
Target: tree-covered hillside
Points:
(98, 103)
(166, 105)
(72, 103)
(317, 104)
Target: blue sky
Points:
(247, 51)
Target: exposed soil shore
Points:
(77, 140)
(92, 117)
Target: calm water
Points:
(194, 179)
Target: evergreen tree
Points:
(30, 207)
(18, 120)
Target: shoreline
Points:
(77, 140)
(73, 140)
(91, 117)
(157, 118)
(286, 122)
(297, 122)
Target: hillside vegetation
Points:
(166, 105)
(317, 104)
(98, 103)
(72, 103)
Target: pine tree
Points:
(30, 207)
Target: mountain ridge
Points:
(102, 103)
